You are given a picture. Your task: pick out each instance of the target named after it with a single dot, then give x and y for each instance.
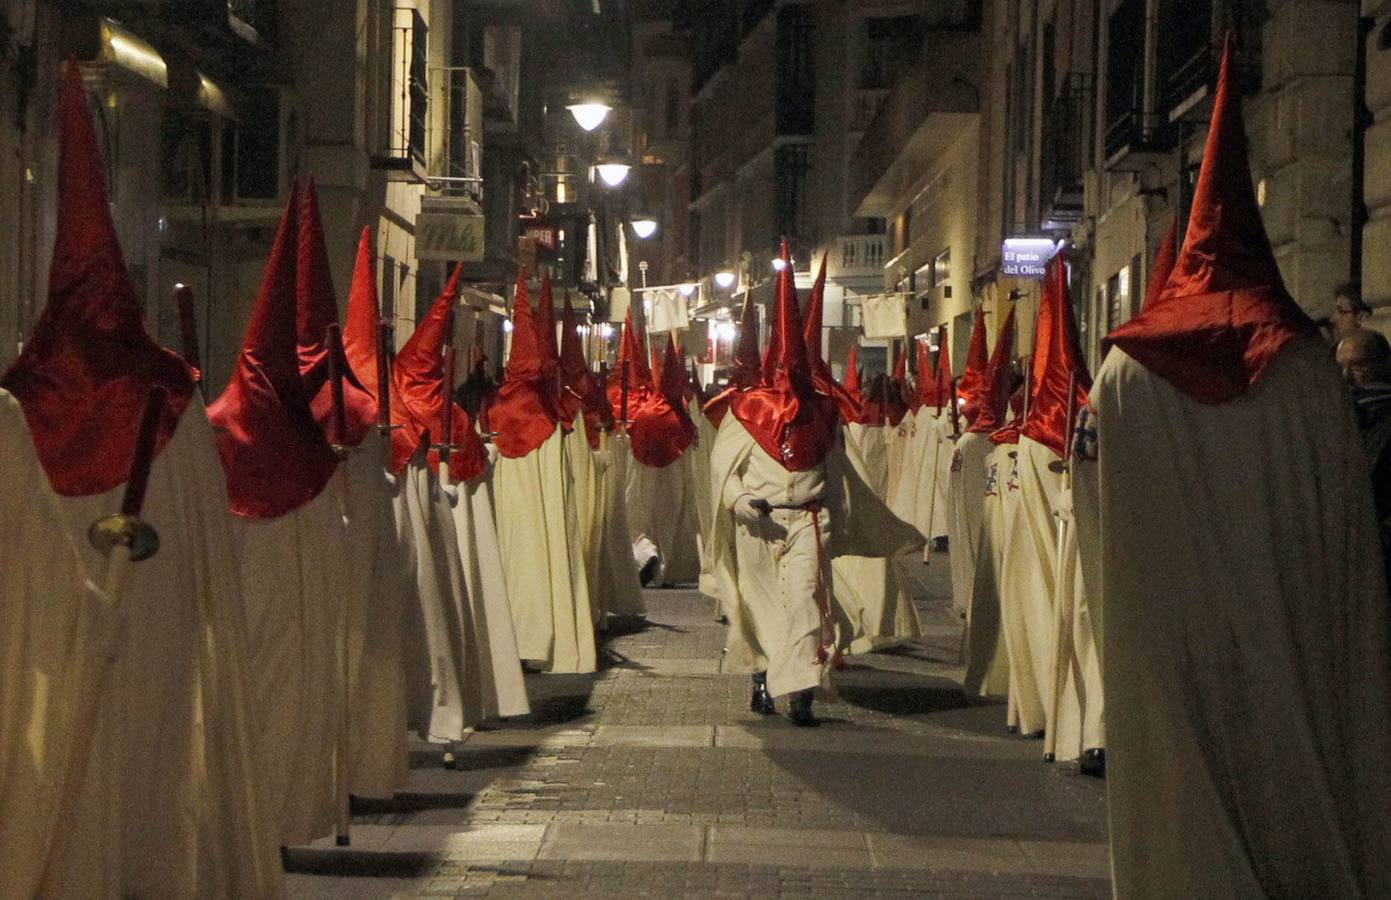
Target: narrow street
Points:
(652, 778)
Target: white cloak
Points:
(543, 559)
(58, 633)
(976, 548)
(178, 737)
(1248, 679)
(993, 573)
(499, 662)
(620, 593)
(662, 508)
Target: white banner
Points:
(666, 310)
(884, 315)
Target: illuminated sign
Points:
(1026, 257)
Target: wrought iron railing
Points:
(1067, 146)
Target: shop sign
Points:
(447, 236)
(1026, 257)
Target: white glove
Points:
(492, 453)
(746, 512)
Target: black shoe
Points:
(649, 571)
(762, 701)
(1049, 757)
(939, 543)
(1011, 729)
(1093, 763)
(801, 714)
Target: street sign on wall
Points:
(449, 236)
(1026, 257)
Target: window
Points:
(672, 110)
(1125, 66)
(791, 162)
(1117, 298)
(941, 268)
(796, 85)
(252, 151)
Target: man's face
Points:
(1346, 317)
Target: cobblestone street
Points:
(652, 778)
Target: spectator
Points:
(1349, 312)
(1365, 357)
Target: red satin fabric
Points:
(85, 372)
(1057, 361)
(1224, 313)
(1164, 259)
(821, 376)
(662, 429)
(717, 407)
(419, 396)
(550, 356)
(317, 309)
(583, 393)
(896, 402)
(1009, 434)
(273, 452)
(639, 374)
(523, 413)
(990, 414)
(861, 410)
(973, 381)
(786, 416)
(364, 315)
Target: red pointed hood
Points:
(87, 368)
(661, 427)
(944, 373)
(787, 417)
(748, 363)
(821, 375)
(1057, 361)
(994, 389)
(583, 393)
(630, 351)
(895, 406)
(1164, 259)
(972, 383)
(273, 451)
(852, 373)
(523, 414)
(317, 308)
(545, 327)
(364, 316)
(420, 395)
(1224, 314)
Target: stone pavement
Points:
(652, 778)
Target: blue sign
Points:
(1026, 257)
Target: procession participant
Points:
(871, 609)
(1246, 633)
(58, 633)
(1072, 704)
(582, 450)
(866, 430)
(935, 420)
(175, 759)
(539, 533)
(902, 443)
(616, 574)
(979, 457)
(447, 506)
(783, 477)
(289, 519)
(661, 487)
(375, 587)
(966, 473)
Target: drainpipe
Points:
(1361, 121)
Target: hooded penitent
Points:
(1057, 363)
(88, 366)
(821, 375)
(273, 451)
(1224, 313)
(786, 416)
(632, 360)
(995, 383)
(583, 392)
(661, 428)
(973, 384)
(317, 310)
(420, 396)
(544, 320)
(523, 414)
(747, 372)
(360, 331)
(895, 407)
(934, 385)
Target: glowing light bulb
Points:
(724, 279)
(644, 228)
(614, 173)
(589, 116)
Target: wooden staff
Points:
(333, 337)
(1061, 621)
(955, 411)
(623, 404)
(188, 332)
(386, 339)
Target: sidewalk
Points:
(652, 778)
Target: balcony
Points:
(1067, 150)
(456, 166)
(1190, 45)
(404, 156)
(857, 256)
(929, 108)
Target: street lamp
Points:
(589, 116)
(644, 227)
(724, 279)
(613, 173)
(779, 264)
